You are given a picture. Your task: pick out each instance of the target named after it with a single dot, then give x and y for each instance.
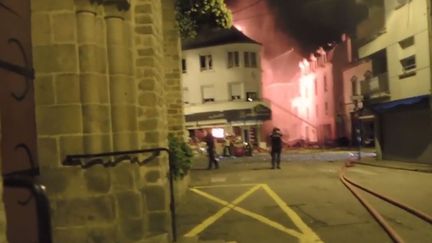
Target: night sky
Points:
(310, 23)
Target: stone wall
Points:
(102, 80)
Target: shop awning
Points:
(382, 107)
(230, 112)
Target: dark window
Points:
(325, 83)
(379, 62)
(230, 60)
(183, 63)
(206, 62)
(246, 59)
(253, 57)
(409, 63)
(251, 96)
(407, 42)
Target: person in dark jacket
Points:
(276, 147)
(209, 139)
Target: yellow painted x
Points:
(305, 235)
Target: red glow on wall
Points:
(293, 85)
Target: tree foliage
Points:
(181, 156)
(194, 16)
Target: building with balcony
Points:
(390, 87)
(221, 75)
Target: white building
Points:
(392, 83)
(222, 85)
(302, 105)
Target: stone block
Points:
(149, 124)
(55, 58)
(102, 234)
(147, 98)
(153, 176)
(71, 144)
(86, 27)
(146, 62)
(47, 152)
(98, 179)
(64, 27)
(159, 222)
(87, 58)
(49, 5)
(64, 181)
(146, 52)
(143, 19)
(94, 89)
(100, 31)
(123, 176)
(96, 118)
(132, 230)
(156, 197)
(97, 143)
(153, 137)
(122, 90)
(143, 8)
(147, 84)
(60, 119)
(129, 205)
(70, 235)
(41, 28)
(118, 59)
(84, 210)
(44, 90)
(123, 118)
(125, 141)
(67, 88)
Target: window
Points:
(253, 59)
(185, 95)
(409, 63)
(251, 96)
(379, 62)
(405, 43)
(250, 59)
(316, 111)
(208, 94)
(326, 108)
(206, 62)
(325, 83)
(235, 91)
(408, 66)
(183, 65)
(233, 59)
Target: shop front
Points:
(242, 127)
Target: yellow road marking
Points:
(292, 215)
(225, 185)
(306, 236)
(228, 206)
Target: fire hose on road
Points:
(355, 188)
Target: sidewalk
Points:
(420, 167)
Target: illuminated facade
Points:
(392, 83)
(302, 106)
(222, 85)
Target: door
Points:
(17, 113)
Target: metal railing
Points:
(42, 204)
(89, 160)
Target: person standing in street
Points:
(209, 139)
(276, 147)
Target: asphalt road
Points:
(246, 202)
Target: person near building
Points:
(209, 139)
(227, 146)
(276, 147)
